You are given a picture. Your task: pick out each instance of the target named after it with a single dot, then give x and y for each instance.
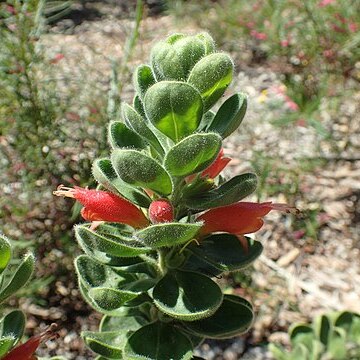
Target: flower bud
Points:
(161, 211)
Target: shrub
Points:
(164, 222)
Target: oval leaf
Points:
(233, 317)
(120, 136)
(13, 324)
(187, 295)
(228, 193)
(211, 76)
(105, 174)
(167, 234)
(109, 299)
(224, 252)
(173, 58)
(143, 78)
(229, 116)
(192, 154)
(20, 278)
(113, 245)
(158, 341)
(139, 125)
(108, 344)
(138, 169)
(175, 108)
(5, 252)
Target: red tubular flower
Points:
(217, 166)
(26, 351)
(240, 218)
(161, 211)
(105, 206)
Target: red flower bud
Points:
(240, 218)
(105, 206)
(26, 351)
(161, 211)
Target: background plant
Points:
(332, 336)
(13, 276)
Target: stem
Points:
(152, 262)
(161, 261)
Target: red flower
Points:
(240, 218)
(161, 211)
(105, 206)
(26, 351)
(217, 166)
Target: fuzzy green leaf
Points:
(109, 299)
(108, 344)
(211, 76)
(105, 175)
(158, 341)
(187, 296)
(232, 318)
(173, 58)
(21, 276)
(223, 252)
(229, 116)
(13, 325)
(120, 136)
(5, 252)
(192, 154)
(174, 108)
(228, 193)
(111, 244)
(136, 122)
(138, 169)
(322, 328)
(143, 78)
(167, 234)
(6, 343)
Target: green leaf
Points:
(141, 127)
(206, 120)
(173, 58)
(109, 299)
(111, 244)
(131, 320)
(167, 234)
(301, 334)
(139, 108)
(230, 192)
(138, 169)
(158, 341)
(5, 252)
(233, 317)
(21, 276)
(105, 175)
(322, 328)
(174, 108)
(143, 78)
(6, 343)
(192, 154)
(211, 76)
(187, 296)
(224, 252)
(102, 286)
(337, 345)
(229, 116)
(120, 136)
(208, 42)
(278, 352)
(13, 325)
(108, 344)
